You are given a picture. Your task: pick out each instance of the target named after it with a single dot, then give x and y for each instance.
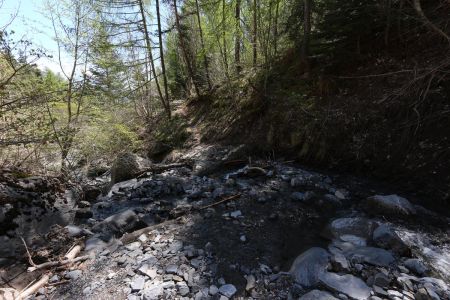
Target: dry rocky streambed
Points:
(207, 225)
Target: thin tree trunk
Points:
(267, 50)
(183, 48)
(224, 31)
(163, 65)
(202, 42)
(306, 29)
(150, 55)
(275, 30)
(255, 33)
(237, 43)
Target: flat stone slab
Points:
(348, 284)
(308, 266)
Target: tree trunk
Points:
(255, 33)
(184, 49)
(150, 55)
(275, 29)
(224, 31)
(237, 43)
(163, 65)
(202, 42)
(306, 29)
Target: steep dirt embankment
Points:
(384, 116)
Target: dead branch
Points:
(35, 287)
(73, 252)
(30, 260)
(221, 201)
(63, 262)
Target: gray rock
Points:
(385, 237)
(358, 226)
(394, 293)
(392, 205)
(137, 284)
(171, 269)
(154, 292)
(75, 231)
(213, 290)
(380, 291)
(145, 269)
(353, 239)
(371, 255)
(73, 275)
(183, 289)
(127, 166)
(251, 282)
(308, 266)
(317, 295)
(416, 266)
(235, 214)
(339, 262)
(347, 284)
(381, 280)
(119, 223)
(133, 246)
(228, 290)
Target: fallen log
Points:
(50, 264)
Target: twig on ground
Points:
(57, 263)
(30, 260)
(221, 201)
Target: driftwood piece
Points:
(35, 287)
(221, 201)
(63, 262)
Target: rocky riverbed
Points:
(215, 226)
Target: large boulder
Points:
(127, 166)
(348, 284)
(308, 266)
(390, 205)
